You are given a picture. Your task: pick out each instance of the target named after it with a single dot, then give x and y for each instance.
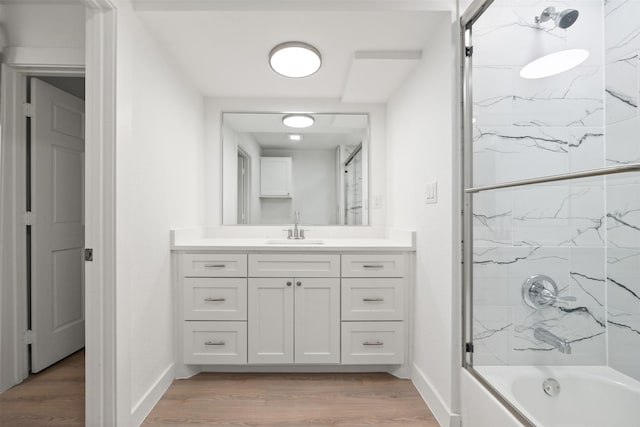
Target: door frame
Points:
(100, 321)
(246, 186)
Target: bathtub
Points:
(590, 396)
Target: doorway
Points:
(243, 186)
(55, 219)
(51, 197)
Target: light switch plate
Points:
(377, 201)
(431, 193)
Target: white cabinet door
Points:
(317, 326)
(275, 176)
(270, 320)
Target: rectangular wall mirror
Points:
(270, 171)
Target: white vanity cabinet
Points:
(373, 309)
(277, 307)
(214, 308)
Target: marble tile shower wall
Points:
(583, 233)
(528, 128)
(622, 88)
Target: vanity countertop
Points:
(398, 241)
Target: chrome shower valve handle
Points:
(540, 291)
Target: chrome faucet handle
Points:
(301, 233)
(540, 291)
(548, 295)
(289, 233)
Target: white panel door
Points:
(57, 232)
(317, 314)
(270, 321)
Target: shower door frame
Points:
(468, 18)
(471, 15)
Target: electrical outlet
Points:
(377, 201)
(431, 193)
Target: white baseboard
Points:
(433, 400)
(144, 406)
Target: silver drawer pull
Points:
(215, 299)
(373, 266)
(372, 299)
(373, 343)
(215, 265)
(214, 343)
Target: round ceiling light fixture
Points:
(554, 63)
(298, 121)
(295, 59)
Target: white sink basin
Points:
(294, 242)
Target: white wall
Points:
(213, 173)
(43, 25)
(420, 150)
(314, 187)
(159, 186)
(30, 29)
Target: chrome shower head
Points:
(563, 19)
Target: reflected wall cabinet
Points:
(275, 176)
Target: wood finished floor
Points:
(53, 397)
(212, 399)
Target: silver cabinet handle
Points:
(298, 283)
(214, 343)
(373, 343)
(215, 299)
(373, 266)
(288, 283)
(372, 299)
(215, 265)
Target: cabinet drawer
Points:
(214, 265)
(372, 299)
(215, 342)
(214, 299)
(372, 343)
(373, 265)
(288, 265)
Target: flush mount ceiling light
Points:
(295, 59)
(298, 121)
(295, 137)
(554, 63)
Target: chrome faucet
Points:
(295, 232)
(552, 339)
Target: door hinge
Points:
(28, 218)
(29, 336)
(468, 51)
(88, 254)
(468, 347)
(28, 109)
